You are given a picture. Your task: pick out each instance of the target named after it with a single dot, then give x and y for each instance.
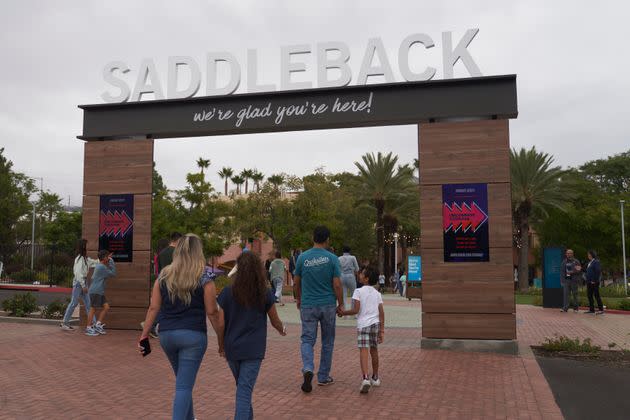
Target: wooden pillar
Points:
(121, 167)
(466, 300)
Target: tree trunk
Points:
(523, 256)
(246, 186)
(380, 235)
(403, 256)
(226, 185)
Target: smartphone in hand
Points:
(145, 346)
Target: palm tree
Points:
(247, 175)
(226, 173)
(238, 181)
(536, 187)
(381, 183)
(203, 164)
(257, 177)
(276, 180)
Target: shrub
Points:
(624, 305)
(564, 343)
(534, 291)
(538, 301)
(221, 281)
(20, 304)
(23, 276)
(55, 310)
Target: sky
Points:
(570, 58)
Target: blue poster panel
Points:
(115, 231)
(552, 262)
(414, 268)
(465, 222)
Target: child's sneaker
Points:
(100, 328)
(375, 381)
(91, 331)
(365, 386)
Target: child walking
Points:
(367, 304)
(245, 306)
(102, 271)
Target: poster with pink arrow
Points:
(465, 222)
(115, 231)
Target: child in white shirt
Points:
(367, 304)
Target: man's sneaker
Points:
(599, 313)
(576, 310)
(100, 328)
(91, 331)
(308, 378)
(153, 333)
(375, 381)
(564, 310)
(66, 327)
(589, 312)
(365, 386)
(328, 381)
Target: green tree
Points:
(226, 173)
(49, 205)
(612, 174)
(15, 190)
(63, 231)
(247, 174)
(276, 180)
(197, 190)
(382, 183)
(203, 164)
(257, 177)
(536, 188)
(238, 180)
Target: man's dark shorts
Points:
(97, 301)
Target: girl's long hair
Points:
(250, 282)
(81, 248)
(182, 276)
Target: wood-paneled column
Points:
(466, 300)
(121, 167)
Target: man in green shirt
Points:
(166, 256)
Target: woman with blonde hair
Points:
(182, 297)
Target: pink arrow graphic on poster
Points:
(464, 217)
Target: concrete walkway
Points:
(49, 374)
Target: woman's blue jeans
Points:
(185, 350)
(245, 373)
(77, 293)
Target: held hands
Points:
(340, 311)
(283, 332)
(221, 351)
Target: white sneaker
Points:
(66, 327)
(365, 386)
(375, 382)
(91, 332)
(100, 328)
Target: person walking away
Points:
(381, 283)
(277, 271)
(103, 270)
(245, 306)
(317, 286)
(367, 303)
(349, 270)
(183, 296)
(593, 274)
(570, 272)
(82, 264)
(161, 246)
(401, 274)
(403, 284)
(165, 258)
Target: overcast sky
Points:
(570, 58)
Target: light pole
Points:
(623, 248)
(395, 253)
(33, 239)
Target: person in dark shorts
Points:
(103, 270)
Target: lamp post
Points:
(33, 240)
(395, 253)
(623, 247)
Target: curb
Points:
(36, 321)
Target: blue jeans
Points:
(348, 284)
(185, 350)
(77, 293)
(245, 373)
(326, 316)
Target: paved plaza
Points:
(49, 374)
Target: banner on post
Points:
(115, 232)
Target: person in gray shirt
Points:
(570, 271)
(349, 270)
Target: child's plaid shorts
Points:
(368, 336)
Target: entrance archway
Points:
(463, 133)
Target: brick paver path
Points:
(49, 374)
